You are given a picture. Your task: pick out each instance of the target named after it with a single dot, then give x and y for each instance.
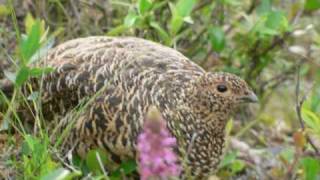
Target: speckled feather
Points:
(135, 75)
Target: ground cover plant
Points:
(273, 45)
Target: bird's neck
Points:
(202, 144)
(204, 152)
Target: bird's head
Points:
(217, 94)
(228, 87)
(211, 98)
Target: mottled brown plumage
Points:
(136, 74)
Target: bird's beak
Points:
(250, 98)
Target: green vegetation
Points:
(274, 45)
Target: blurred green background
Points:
(273, 44)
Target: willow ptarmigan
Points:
(132, 74)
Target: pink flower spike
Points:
(155, 149)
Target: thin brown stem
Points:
(299, 103)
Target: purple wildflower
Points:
(155, 147)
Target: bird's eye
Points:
(222, 88)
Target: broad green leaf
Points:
(28, 145)
(29, 21)
(264, 7)
(312, 5)
(92, 160)
(42, 51)
(4, 125)
(312, 120)
(228, 159)
(61, 174)
(49, 164)
(184, 7)
(22, 75)
(117, 30)
(4, 10)
(268, 31)
(176, 24)
(31, 43)
(125, 168)
(180, 12)
(188, 19)
(130, 19)
(237, 166)
(144, 6)
(217, 38)
(277, 20)
(311, 168)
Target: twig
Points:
(63, 161)
(278, 79)
(277, 41)
(299, 103)
(101, 164)
(76, 12)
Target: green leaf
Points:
(28, 145)
(237, 166)
(228, 159)
(288, 154)
(180, 11)
(117, 30)
(268, 31)
(264, 7)
(30, 44)
(229, 127)
(92, 159)
(217, 38)
(61, 174)
(125, 168)
(312, 5)
(188, 19)
(4, 125)
(231, 2)
(4, 10)
(184, 7)
(311, 168)
(312, 120)
(130, 19)
(162, 33)
(37, 72)
(42, 51)
(144, 6)
(277, 20)
(176, 24)
(29, 21)
(22, 75)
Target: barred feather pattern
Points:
(133, 75)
